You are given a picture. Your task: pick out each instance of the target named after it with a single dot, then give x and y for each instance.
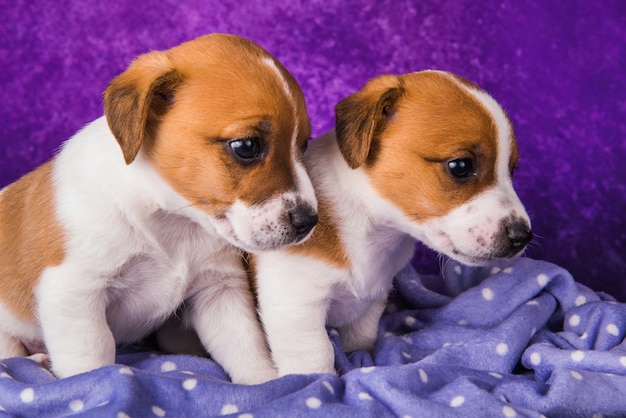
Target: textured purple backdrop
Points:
(557, 67)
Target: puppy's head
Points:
(442, 151)
(224, 124)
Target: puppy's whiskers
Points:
(193, 204)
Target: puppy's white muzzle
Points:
(278, 222)
(492, 225)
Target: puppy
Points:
(199, 155)
(425, 156)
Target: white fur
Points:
(299, 295)
(242, 223)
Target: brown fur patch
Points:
(222, 91)
(30, 239)
(325, 243)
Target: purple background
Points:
(558, 67)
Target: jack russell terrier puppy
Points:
(199, 155)
(425, 156)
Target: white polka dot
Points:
(168, 366)
(535, 359)
(576, 375)
(533, 331)
(612, 329)
(27, 395)
(334, 332)
(246, 415)
(502, 349)
(508, 270)
(329, 386)
(462, 322)
(407, 339)
(574, 320)
(509, 412)
(159, 412)
(364, 396)
(409, 320)
(622, 360)
(126, 370)
(446, 345)
(77, 405)
(424, 376)
(597, 415)
(406, 355)
(580, 300)
(542, 279)
(487, 294)
(457, 401)
(388, 334)
(5, 374)
(2, 409)
(578, 356)
(584, 336)
(313, 403)
(229, 408)
(368, 369)
(122, 415)
(190, 384)
(495, 270)
(458, 269)
(532, 303)
(496, 375)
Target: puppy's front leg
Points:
(223, 314)
(295, 328)
(72, 314)
(361, 334)
(11, 346)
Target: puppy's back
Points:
(31, 239)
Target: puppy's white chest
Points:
(154, 282)
(369, 281)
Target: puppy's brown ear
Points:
(136, 99)
(361, 116)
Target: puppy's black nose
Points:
(519, 235)
(303, 219)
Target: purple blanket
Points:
(515, 343)
(512, 340)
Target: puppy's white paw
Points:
(255, 376)
(41, 358)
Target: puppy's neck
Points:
(356, 205)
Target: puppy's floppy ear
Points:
(361, 116)
(136, 99)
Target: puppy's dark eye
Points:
(461, 168)
(246, 149)
(304, 146)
